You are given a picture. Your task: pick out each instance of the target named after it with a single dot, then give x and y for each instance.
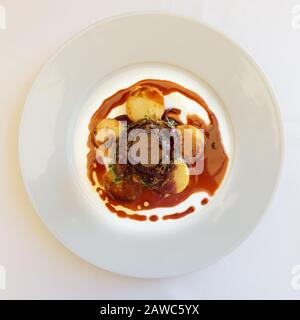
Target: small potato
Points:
(145, 102)
(181, 177)
(197, 142)
(108, 127)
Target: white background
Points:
(37, 265)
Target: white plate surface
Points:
(114, 54)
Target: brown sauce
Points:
(215, 157)
(179, 215)
(153, 218)
(204, 201)
(123, 214)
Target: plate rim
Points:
(250, 59)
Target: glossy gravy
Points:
(215, 157)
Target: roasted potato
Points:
(145, 102)
(108, 127)
(197, 140)
(181, 177)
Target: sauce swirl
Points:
(215, 157)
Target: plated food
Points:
(98, 62)
(151, 156)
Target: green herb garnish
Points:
(170, 122)
(146, 184)
(112, 170)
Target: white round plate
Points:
(111, 55)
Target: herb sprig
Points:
(112, 170)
